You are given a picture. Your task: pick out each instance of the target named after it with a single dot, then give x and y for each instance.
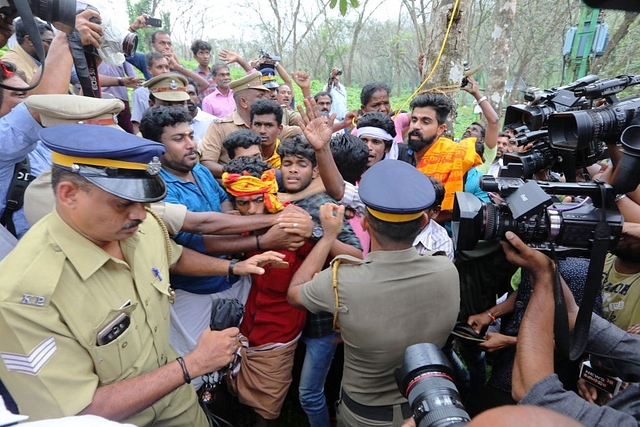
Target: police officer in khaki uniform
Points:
(246, 90)
(168, 89)
(84, 306)
(392, 299)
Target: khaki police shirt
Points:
(211, 147)
(387, 302)
(59, 290)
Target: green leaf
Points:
(354, 3)
(343, 7)
(333, 3)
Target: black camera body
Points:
(265, 55)
(60, 13)
(426, 380)
(530, 212)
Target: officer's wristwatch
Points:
(317, 233)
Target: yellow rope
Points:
(435, 65)
(336, 264)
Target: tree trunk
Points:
(623, 29)
(449, 71)
(504, 16)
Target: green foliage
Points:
(344, 5)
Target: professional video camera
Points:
(543, 154)
(542, 103)
(576, 129)
(529, 211)
(426, 380)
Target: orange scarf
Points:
(448, 161)
(246, 185)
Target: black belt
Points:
(377, 413)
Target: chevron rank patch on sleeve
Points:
(33, 362)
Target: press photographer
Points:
(534, 382)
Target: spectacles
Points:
(47, 41)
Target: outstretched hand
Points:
(253, 264)
(228, 57)
(316, 127)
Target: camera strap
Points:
(572, 344)
(24, 10)
(85, 64)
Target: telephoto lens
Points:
(426, 380)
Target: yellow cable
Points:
(435, 65)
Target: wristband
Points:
(491, 316)
(185, 373)
(258, 248)
(483, 98)
(620, 197)
(131, 30)
(231, 265)
(120, 81)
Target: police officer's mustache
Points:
(132, 224)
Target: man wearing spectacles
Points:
(23, 54)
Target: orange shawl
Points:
(448, 161)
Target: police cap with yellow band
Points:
(117, 162)
(395, 191)
(269, 78)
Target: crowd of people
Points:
(164, 252)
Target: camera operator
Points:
(338, 94)
(534, 381)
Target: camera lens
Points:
(426, 380)
(61, 13)
(577, 129)
(130, 44)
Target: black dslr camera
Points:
(60, 13)
(426, 380)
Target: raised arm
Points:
(318, 130)
(490, 115)
(229, 57)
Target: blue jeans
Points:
(317, 361)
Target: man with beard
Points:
(200, 119)
(434, 155)
(503, 147)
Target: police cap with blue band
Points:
(117, 162)
(395, 191)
